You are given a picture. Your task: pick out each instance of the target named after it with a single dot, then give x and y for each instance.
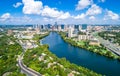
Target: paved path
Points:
(110, 46)
(25, 69)
(115, 49)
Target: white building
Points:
(70, 32)
(89, 28)
(84, 31)
(94, 41)
(80, 27)
(84, 37)
(98, 28)
(37, 30)
(59, 28)
(65, 28)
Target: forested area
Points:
(9, 51)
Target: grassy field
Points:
(82, 43)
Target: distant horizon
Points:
(59, 24)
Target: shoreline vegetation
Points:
(100, 50)
(46, 63)
(38, 37)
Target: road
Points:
(109, 45)
(25, 69)
(115, 49)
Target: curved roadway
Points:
(26, 70)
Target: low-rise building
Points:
(84, 37)
(10, 32)
(94, 42)
(98, 28)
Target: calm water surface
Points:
(82, 57)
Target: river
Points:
(82, 57)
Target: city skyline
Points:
(64, 12)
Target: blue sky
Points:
(62, 11)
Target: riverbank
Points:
(42, 60)
(101, 50)
(48, 64)
(38, 37)
(29, 44)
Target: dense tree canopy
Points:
(9, 49)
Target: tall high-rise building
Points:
(70, 32)
(65, 28)
(59, 28)
(55, 24)
(37, 29)
(84, 26)
(80, 27)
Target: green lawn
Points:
(104, 51)
(81, 43)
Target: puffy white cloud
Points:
(50, 12)
(64, 15)
(36, 7)
(54, 13)
(82, 4)
(5, 17)
(32, 7)
(17, 4)
(92, 17)
(111, 15)
(81, 16)
(94, 10)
